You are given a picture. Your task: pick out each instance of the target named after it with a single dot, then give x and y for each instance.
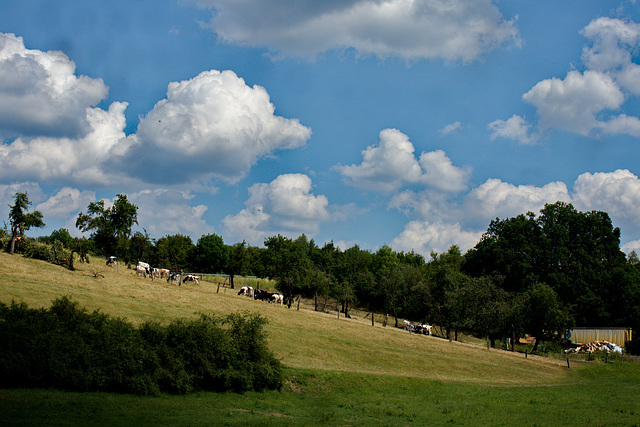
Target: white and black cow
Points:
(246, 290)
(143, 269)
(190, 278)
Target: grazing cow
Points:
(246, 290)
(163, 272)
(277, 298)
(190, 278)
(111, 260)
(406, 325)
(142, 271)
(173, 277)
(154, 273)
(262, 295)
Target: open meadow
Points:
(338, 371)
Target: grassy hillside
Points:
(340, 371)
(301, 339)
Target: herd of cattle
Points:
(261, 294)
(417, 328)
(145, 270)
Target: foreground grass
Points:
(604, 396)
(340, 371)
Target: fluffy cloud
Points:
(572, 104)
(617, 193)
(411, 29)
(73, 160)
(424, 237)
(613, 42)
(516, 129)
(286, 205)
(66, 201)
(587, 102)
(496, 198)
(384, 166)
(439, 172)
(167, 212)
(40, 95)
(440, 222)
(387, 166)
(213, 125)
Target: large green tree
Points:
(108, 225)
(576, 254)
(21, 220)
(542, 314)
(211, 254)
(287, 262)
(175, 252)
(237, 261)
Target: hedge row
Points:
(67, 348)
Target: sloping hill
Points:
(301, 339)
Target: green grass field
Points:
(339, 371)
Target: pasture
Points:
(339, 371)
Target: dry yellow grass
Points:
(300, 339)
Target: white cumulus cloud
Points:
(213, 125)
(573, 103)
(66, 201)
(495, 198)
(454, 30)
(424, 237)
(164, 211)
(516, 129)
(389, 165)
(40, 95)
(617, 193)
(284, 206)
(65, 159)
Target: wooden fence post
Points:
(372, 319)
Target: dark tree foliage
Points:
(141, 248)
(62, 235)
(175, 252)
(481, 306)
(577, 254)
(66, 347)
(541, 313)
(210, 254)
(238, 261)
(287, 262)
(20, 220)
(109, 225)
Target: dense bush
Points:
(67, 348)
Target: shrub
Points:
(33, 249)
(68, 348)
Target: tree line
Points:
(537, 274)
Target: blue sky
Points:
(412, 123)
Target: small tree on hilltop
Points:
(20, 220)
(108, 224)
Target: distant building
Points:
(587, 335)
